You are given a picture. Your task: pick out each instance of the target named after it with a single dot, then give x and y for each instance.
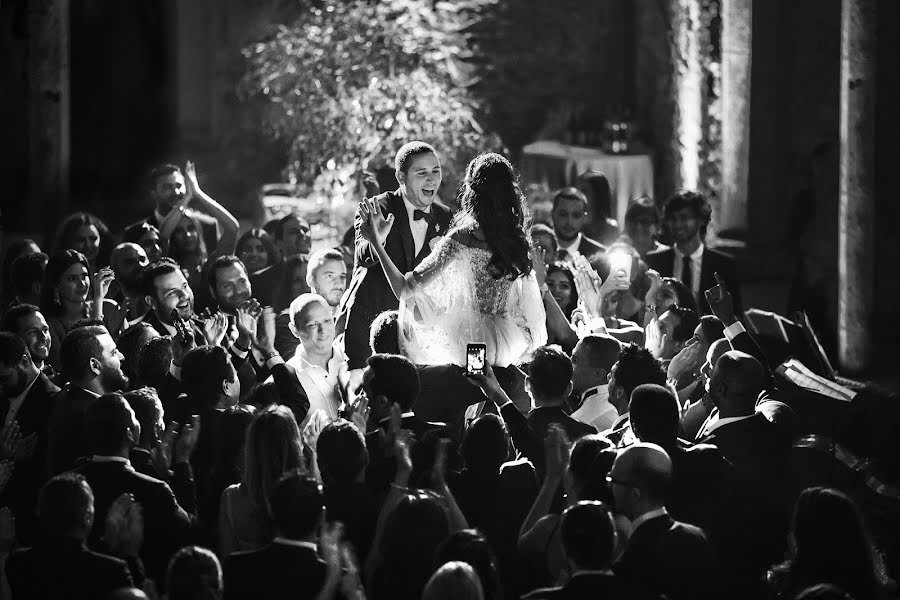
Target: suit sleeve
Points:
(290, 390)
(523, 436)
(178, 523)
(363, 253)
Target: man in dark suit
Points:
(662, 556)
(112, 430)
(291, 235)
(589, 540)
(60, 565)
(415, 220)
(687, 214)
(290, 565)
(92, 365)
(635, 366)
(569, 215)
(166, 289)
(26, 396)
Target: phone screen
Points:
(620, 260)
(475, 357)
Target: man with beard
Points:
(687, 215)
(27, 322)
(293, 242)
(569, 215)
(25, 399)
(165, 289)
(128, 261)
(165, 186)
(92, 364)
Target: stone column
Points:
(49, 141)
(856, 217)
(737, 35)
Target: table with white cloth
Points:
(557, 165)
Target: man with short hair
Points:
(635, 366)
(592, 362)
(643, 225)
(165, 290)
(92, 364)
(59, 565)
(27, 322)
(291, 235)
(320, 363)
(687, 215)
(662, 555)
(327, 276)
(27, 277)
(414, 221)
(674, 329)
(112, 430)
(26, 397)
(569, 215)
(128, 261)
(290, 566)
(588, 536)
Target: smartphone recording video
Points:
(620, 260)
(475, 357)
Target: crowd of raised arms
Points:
(489, 404)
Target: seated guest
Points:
(687, 215)
(662, 555)
(273, 449)
(470, 546)
(643, 226)
(569, 215)
(454, 579)
(60, 564)
(26, 397)
(589, 540)
(256, 250)
(319, 362)
(495, 493)
(112, 430)
(290, 565)
(342, 459)
(592, 362)
(68, 296)
(92, 365)
(128, 261)
(194, 573)
(165, 290)
(830, 545)
(27, 322)
(27, 278)
(674, 329)
(635, 366)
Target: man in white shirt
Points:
(320, 364)
(570, 211)
(592, 362)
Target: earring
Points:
(56, 299)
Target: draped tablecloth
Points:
(557, 165)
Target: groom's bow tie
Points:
(421, 214)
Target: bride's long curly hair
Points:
(492, 200)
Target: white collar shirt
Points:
(595, 409)
(322, 387)
(696, 267)
(418, 228)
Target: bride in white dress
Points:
(477, 285)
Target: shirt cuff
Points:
(238, 352)
(275, 360)
(733, 330)
(175, 371)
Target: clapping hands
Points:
(124, 531)
(101, 281)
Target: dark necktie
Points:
(687, 275)
(420, 214)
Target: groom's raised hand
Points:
(373, 226)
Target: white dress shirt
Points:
(696, 266)
(418, 228)
(596, 409)
(572, 249)
(322, 386)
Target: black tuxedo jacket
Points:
(528, 433)
(30, 473)
(195, 324)
(66, 437)
(590, 586)
(169, 526)
(713, 261)
(277, 571)
(64, 568)
(369, 293)
(588, 248)
(664, 556)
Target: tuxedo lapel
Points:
(401, 224)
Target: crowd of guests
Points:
(184, 418)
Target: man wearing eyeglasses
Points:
(320, 363)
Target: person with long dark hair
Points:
(256, 250)
(87, 234)
(477, 285)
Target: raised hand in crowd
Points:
(687, 362)
(214, 329)
(556, 452)
(183, 342)
(7, 531)
(342, 567)
(163, 450)
(101, 281)
(654, 339)
(358, 412)
(247, 322)
(187, 440)
(265, 331)
(489, 385)
(10, 436)
(721, 302)
(6, 470)
(374, 227)
(124, 527)
(538, 256)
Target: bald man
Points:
(698, 412)
(662, 556)
(128, 261)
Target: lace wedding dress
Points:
(452, 300)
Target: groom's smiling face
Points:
(421, 181)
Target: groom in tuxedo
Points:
(418, 221)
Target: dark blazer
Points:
(30, 473)
(382, 466)
(668, 557)
(196, 327)
(699, 484)
(369, 293)
(528, 433)
(713, 261)
(169, 526)
(66, 438)
(590, 586)
(588, 248)
(64, 568)
(277, 571)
